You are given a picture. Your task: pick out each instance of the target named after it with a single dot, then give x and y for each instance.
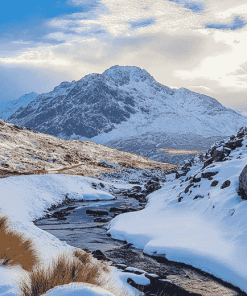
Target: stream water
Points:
(82, 230)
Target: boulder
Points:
(243, 183)
(235, 144)
(209, 174)
(227, 183)
(214, 183)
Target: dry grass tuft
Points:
(180, 151)
(15, 248)
(66, 268)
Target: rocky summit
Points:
(127, 109)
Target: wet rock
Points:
(227, 183)
(134, 270)
(102, 220)
(159, 286)
(214, 183)
(98, 254)
(137, 286)
(120, 266)
(121, 209)
(60, 215)
(97, 212)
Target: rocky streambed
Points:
(84, 225)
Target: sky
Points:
(197, 44)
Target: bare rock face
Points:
(243, 183)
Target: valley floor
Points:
(197, 218)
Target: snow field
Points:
(207, 229)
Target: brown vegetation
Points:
(15, 248)
(78, 267)
(180, 151)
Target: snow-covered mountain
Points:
(126, 108)
(8, 108)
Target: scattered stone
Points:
(227, 183)
(196, 180)
(214, 183)
(235, 144)
(198, 196)
(208, 174)
(102, 220)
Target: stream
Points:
(73, 223)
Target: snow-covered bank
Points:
(190, 220)
(78, 290)
(26, 198)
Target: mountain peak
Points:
(126, 74)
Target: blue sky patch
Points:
(141, 23)
(194, 6)
(13, 12)
(236, 24)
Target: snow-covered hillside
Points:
(10, 107)
(125, 104)
(198, 218)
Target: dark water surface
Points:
(80, 230)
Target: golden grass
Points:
(15, 248)
(78, 267)
(180, 151)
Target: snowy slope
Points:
(10, 107)
(195, 220)
(127, 103)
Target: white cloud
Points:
(176, 48)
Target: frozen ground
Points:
(202, 225)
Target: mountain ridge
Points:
(126, 102)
